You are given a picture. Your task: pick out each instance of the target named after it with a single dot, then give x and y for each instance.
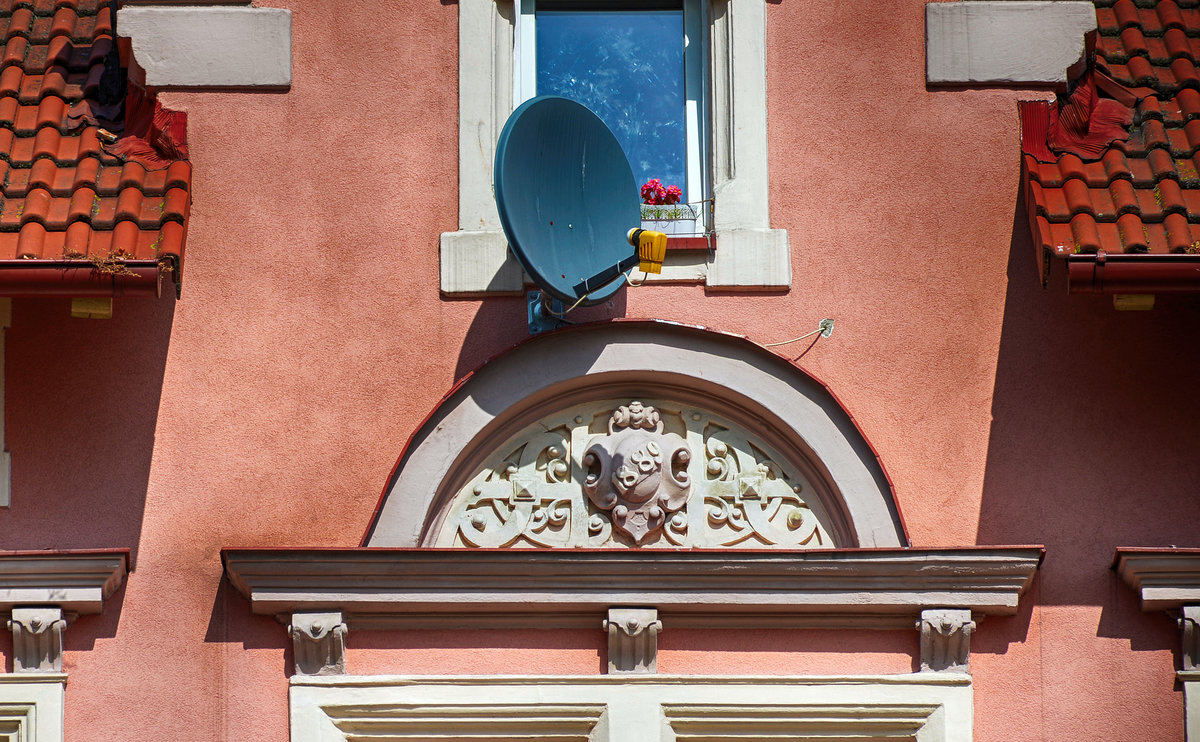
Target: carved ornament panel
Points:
(628, 473)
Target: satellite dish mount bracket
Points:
(545, 312)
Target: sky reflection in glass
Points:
(627, 66)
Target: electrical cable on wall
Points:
(825, 327)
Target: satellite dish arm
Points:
(651, 249)
(604, 277)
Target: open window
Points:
(727, 161)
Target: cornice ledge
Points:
(950, 679)
(75, 581)
(1164, 578)
(382, 588)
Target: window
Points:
(639, 66)
(730, 94)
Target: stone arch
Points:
(785, 409)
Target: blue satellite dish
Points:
(567, 199)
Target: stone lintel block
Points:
(210, 46)
(1004, 41)
(632, 640)
(475, 262)
(37, 639)
(751, 259)
(319, 643)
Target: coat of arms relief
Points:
(631, 474)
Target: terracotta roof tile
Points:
(1137, 196)
(63, 194)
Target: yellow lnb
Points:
(651, 249)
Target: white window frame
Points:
(925, 707)
(32, 707)
(749, 254)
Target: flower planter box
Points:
(672, 219)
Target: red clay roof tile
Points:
(1134, 42)
(1141, 195)
(1124, 198)
(1179, 236)
(1126, 14)
(1070, 166)
(1169, 15)
(80, 208)
(1087, 237)
(1177, 44)
(1078, 197)
(1148, 204)
(1170, 197)
(62, 194)
(1134, 236)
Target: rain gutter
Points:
(79, 278)
(1128, 273)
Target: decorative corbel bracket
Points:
(632, 640)
(1189, 676)
(37, 639)
(319, 643)
(1168, 579)
(1189, 630)
(946, 640)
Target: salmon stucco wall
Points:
(267, 406)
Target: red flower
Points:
(672, 195)
(653, 192)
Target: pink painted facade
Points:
(267, 406)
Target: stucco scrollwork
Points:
(623, 473)
(527, 498)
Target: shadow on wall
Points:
(81, 404)
(230, 621)
(503, 322)
(1095, 423)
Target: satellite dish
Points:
(567, 200)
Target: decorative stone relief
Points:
(632, 640)
(37, 639)
(1189, 629)
(627, 474)
(637, 471)
(946, 640)
(319, 643)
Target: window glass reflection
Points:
(627, 66)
